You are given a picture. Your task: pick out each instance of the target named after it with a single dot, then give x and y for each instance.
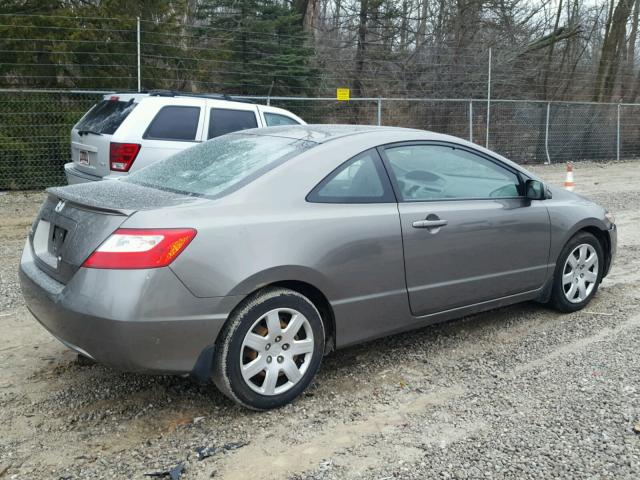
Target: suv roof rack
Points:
(173, 93)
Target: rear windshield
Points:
(106, 116)
(219, 166)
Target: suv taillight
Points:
(122, 155)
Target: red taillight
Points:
(140, 248)
(122, 155)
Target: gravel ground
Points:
(521, 392)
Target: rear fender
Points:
(282, 274)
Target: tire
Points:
(256, 343)
(566, 294)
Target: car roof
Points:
(223, 101)
(374, 135)
(173, 94)
(322, 133)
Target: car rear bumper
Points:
(76, 176)
(133, 320)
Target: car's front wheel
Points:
(578, 273)
(270, 349)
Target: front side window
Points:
(435, 172)
(274, 120)
(220, 165)
(174, 123)
(224, 120)
(359, 180)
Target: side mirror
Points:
(535, 190)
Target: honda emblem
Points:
(59, 206)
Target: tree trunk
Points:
(612, 50)
(363, 17)
(404, 34)
(547, 67)
(625, 86)
(422, 23)
(308, 11)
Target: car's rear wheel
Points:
(270, 349)
(578, 273)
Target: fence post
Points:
(618, 135)
(379, 111)
(471, 120)
(138, 45)
(488, 100)
(546, 135)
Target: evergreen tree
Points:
(261, 46)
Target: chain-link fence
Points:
(46, 59)
(35, 136)
(35, 127)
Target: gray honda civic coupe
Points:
(245, 259)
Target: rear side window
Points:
(274, 120)
(224, 121)
(359, 180)
(174, 123)
(105, 117)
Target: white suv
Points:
(127, 131)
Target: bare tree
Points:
(612, 52)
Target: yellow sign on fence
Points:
(342, 94)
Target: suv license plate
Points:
(84, 157)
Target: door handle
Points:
(429, 223)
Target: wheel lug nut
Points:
(269, 359)
(278, 338)
(280, 359)
(285, 346)
(268, 346)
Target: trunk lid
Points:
(91, 136)
(90, 153)
(74, 220)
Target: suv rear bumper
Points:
(133, 320)
(76, 176)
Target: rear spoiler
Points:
(116, 197)
(60, 194)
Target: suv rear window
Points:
(106, 116)
(174, 123)
(220, 165)
(223, 120)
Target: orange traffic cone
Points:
(568, 182)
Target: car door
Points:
(469, 236)
(176, 125)
(358, 248)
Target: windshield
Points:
(219, 165)
(106, 116)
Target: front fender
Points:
(560, 236)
